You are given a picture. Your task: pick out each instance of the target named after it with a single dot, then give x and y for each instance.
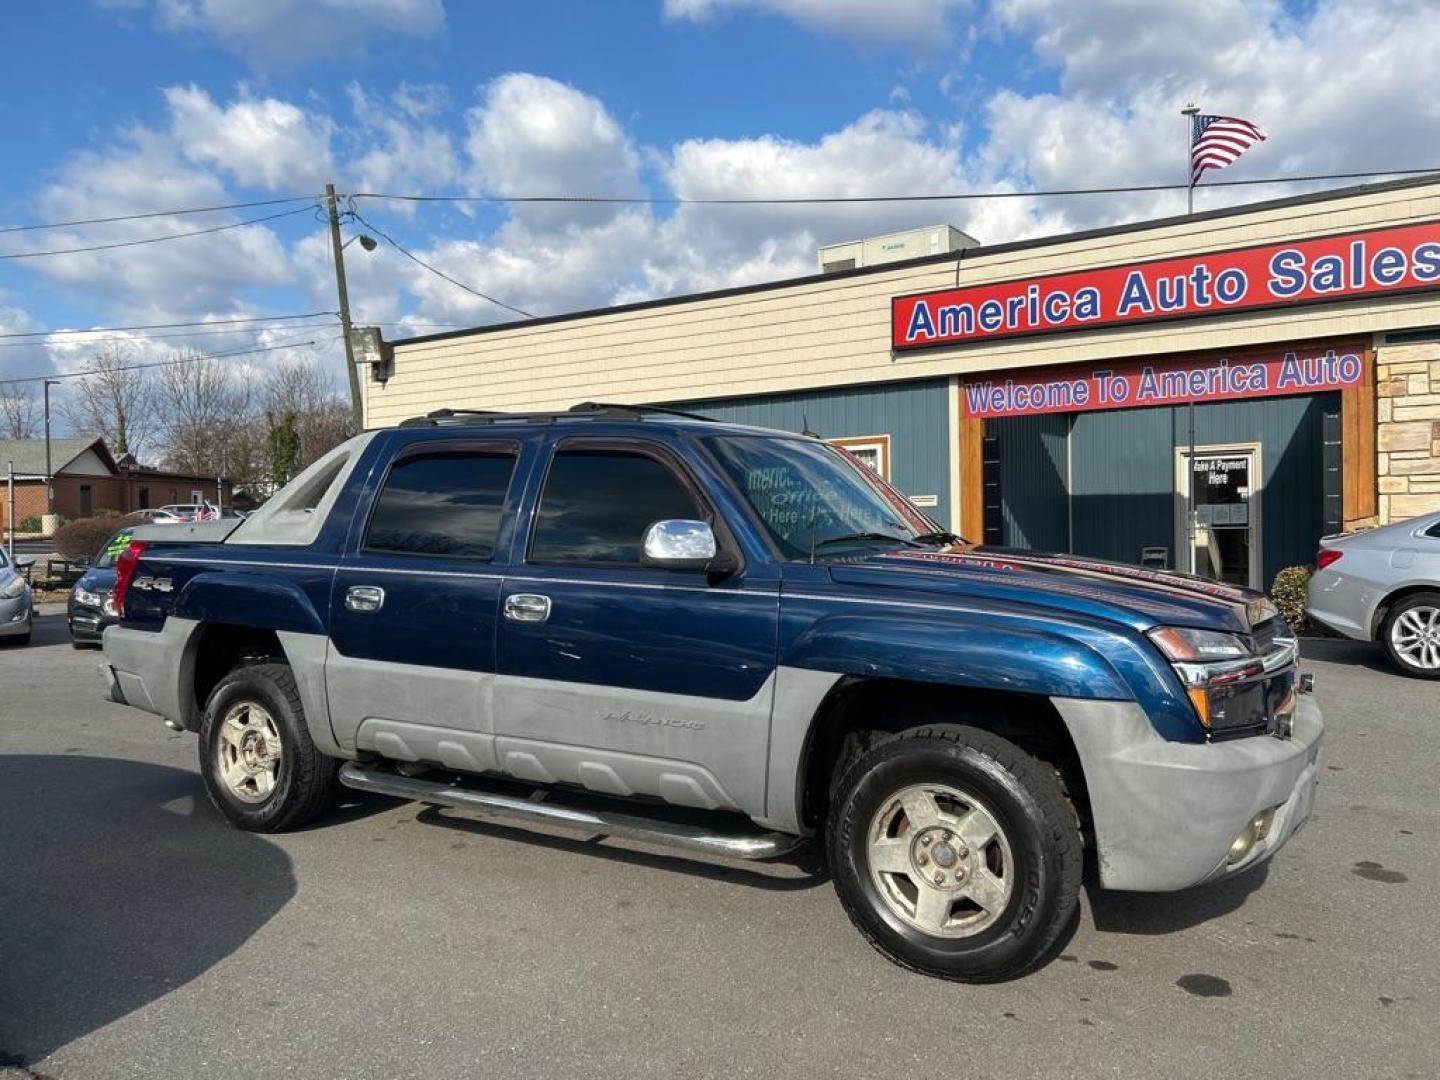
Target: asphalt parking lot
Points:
(140, 937)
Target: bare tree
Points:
(113, 400)
(303, 398)
(20, 413)
(204, 405)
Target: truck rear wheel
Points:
(955, 853)
(260, 767)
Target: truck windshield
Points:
(812, 497)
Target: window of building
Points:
(87, 501)
(597, 505)
(872, 450)
(197, 496)
(442, 504)
(144, 498)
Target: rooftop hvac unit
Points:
(894, 247)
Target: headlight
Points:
(1198, 646)
(15, 588)
(88, 598)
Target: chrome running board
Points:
(654, 830)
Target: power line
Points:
(157, 213)
(437, 272)
(826, 199)
(192, 334)
(155, 239)
(170, 325)
(160, 363)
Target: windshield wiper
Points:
(940, 536)
(857, 537)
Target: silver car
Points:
(17, 614)
(1384, 585)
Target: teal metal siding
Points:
(1122, 476)
(914, 414)
(1033, 478)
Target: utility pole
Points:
(1190, 111)
(49, 479)
(339, 257)
(10, 511)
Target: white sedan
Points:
(1384, 585)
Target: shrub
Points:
(1288, 592)
(30, 524)
(79, 539)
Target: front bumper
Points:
(88, 624)
(1165, 813)
(15, 616)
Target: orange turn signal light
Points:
(1200, 698)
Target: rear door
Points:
(624, 678)
(413, 610)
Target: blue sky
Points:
(129, 106)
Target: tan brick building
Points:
(1213, 391)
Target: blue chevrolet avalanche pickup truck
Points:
(728, 640)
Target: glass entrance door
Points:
(1220, 539)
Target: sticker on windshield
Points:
(117, 544)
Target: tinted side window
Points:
(597, 505)
(442, 504)
(1434, 530)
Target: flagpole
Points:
(1189, 112)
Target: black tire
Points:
(1025, 800)
(305, 781)
(1403, 665)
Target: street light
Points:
(369, 243)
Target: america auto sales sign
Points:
(1345, 266)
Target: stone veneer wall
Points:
(1407, 384)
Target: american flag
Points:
(1216, 141)
(207, 513)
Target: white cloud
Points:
(145, 171)
(278, 33)
(1335, 89)
(535, 136)
(260, 142)
(924, 23)
(398, 148)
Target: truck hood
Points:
(1130, 595)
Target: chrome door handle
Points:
(364, 598)
(527, 607)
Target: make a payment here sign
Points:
(1373, 262)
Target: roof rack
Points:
(593, 410)
(636, 410)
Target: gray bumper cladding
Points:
(1166, 813)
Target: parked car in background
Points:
(17, 613)
(91, 608)
(1384, 585)
(151, 517)
(199, 511)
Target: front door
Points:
(1219, 529)
(413, 608)
(623, 678)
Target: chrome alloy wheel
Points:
(1415, 636)
(249, 752)
(940, 861)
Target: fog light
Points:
(1240, 846)
(1260, 824)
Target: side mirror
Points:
(679, 544)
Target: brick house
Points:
(88, 478)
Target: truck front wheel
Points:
(261, 769)
(955, 853)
